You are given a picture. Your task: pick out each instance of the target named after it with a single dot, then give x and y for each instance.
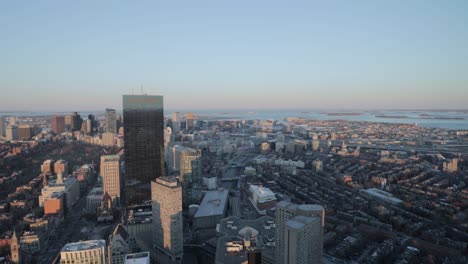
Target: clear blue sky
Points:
(66, 55)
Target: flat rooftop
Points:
(84, 245)
(383, 195)
(138, 258)
(213, 204)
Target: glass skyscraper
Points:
(143, 118)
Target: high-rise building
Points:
(25, 132)
(144, 145)
(58, 124)
(76, 121)
(12, 120)
(111, 121)
(190, 121)
(69, 122)
(167, 217)
(12, 132)
(111, 176)
(190, 175)
(299, 233)
(91, 251)
(2, 126)
(176, 122)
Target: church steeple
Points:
(15, 249)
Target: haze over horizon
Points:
(358, 55)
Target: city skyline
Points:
(242, 55)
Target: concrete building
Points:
(111, 176)
(70, 187)
(91, 251)
(57, 124)
(118, 245)
(30, 243)
(190, 121)
(12, 132)
(138, 258)
(167, 217)
(55, 205)
(262, 198)
(304, 232)
(25, 132)
(111, 125)
(2, 126)
(176, 122)
(212, 209)
(93, 199)
(190, 175)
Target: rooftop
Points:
(84, 245)
(138, 258)
(212, 204)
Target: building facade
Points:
(111, 176)
(294, 232)
(111, 125)
(91, 251)
(167, 217)
(57, 124)
(144, 145)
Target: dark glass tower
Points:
(143, 122)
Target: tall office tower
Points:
(144, 145)
(2, 126)
(91, 124)
(176, 122)
(12, 120)
(111, 176)
(167, 217)
(118, 122)
(58, 124)
(15, 249)
(12, 132)
(299, 233)
(76, 121)
(111, 121)
(190, 120)
(190, 175)
(91, 251)
(69, 122)
(25, 132)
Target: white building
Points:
(262, 198)
(91, 251)
(138, 258)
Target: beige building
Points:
(111, 176)
(167, 217)
(91, 251)
(108, 139)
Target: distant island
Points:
(391, 116)
(344, 114)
